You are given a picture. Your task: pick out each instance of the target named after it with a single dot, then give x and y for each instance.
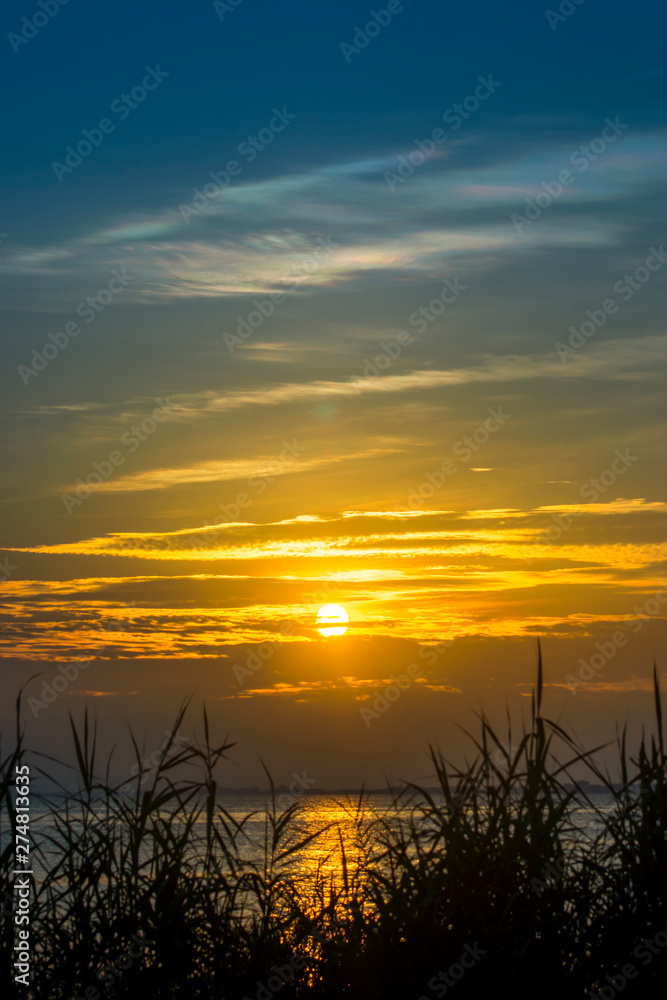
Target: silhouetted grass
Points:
(494, 866)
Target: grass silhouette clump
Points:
(491, 883)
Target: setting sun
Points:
(329, 614)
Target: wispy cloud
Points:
(619, 360)
(500, 550)
(221, 251)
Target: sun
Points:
(330, 614)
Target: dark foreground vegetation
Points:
(487, 888)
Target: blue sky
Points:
(226, 75)
(259, 312)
